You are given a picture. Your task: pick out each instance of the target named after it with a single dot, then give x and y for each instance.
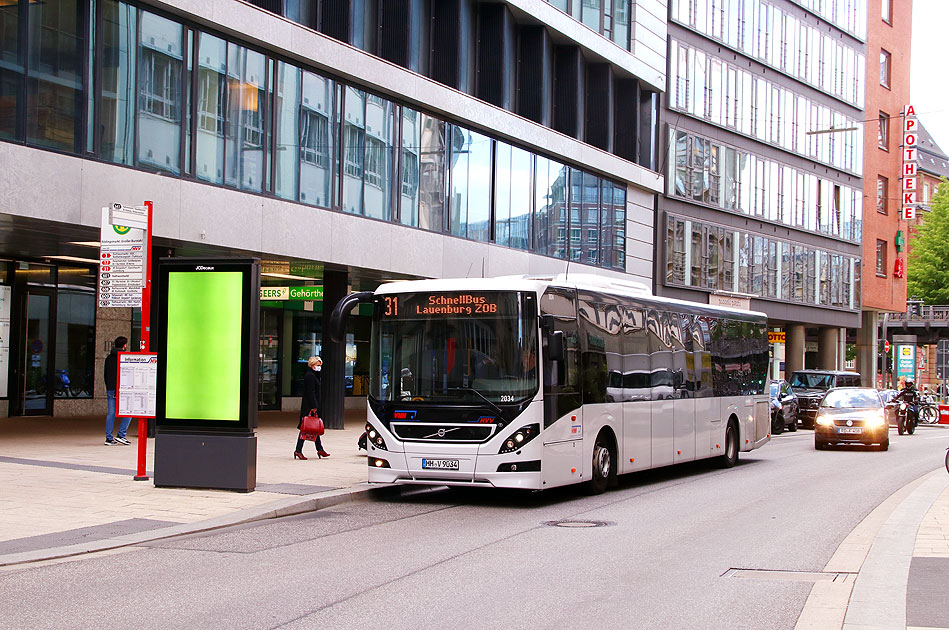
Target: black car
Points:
(784, 407)
(851, 415)
(811, 385)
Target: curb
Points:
(275, 509)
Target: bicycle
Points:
(928, 413)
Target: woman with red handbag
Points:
(309, 405)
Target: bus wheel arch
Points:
(605, 461)
(731, 444)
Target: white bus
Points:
(512, 382)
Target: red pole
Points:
(144, 344)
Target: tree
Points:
(927, 269)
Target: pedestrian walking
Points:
(312, 380)
(109, 374)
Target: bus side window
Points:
(636, 384)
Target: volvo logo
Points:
(441, 433)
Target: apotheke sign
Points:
(314, 294)
(909, 187)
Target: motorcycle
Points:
(907, 415)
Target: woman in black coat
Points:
(311, 400)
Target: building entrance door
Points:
(35, 383)
(268, 385)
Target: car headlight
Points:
(824, 419)
(875, 419)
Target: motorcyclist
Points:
(910, 395)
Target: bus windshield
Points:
(451, 347)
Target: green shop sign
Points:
(312, 294)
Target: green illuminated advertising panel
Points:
(204, 343)
(207, 337)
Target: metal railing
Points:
(924, 314)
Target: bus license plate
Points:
(440, 464)
(850, 430)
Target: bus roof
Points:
(605, 285)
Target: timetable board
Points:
(136, 385)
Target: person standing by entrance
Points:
(109, 374)
(311, 400)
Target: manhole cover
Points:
(571, 523)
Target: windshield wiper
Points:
(496, 409)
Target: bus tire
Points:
(604, 466)
(730, 457)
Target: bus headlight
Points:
(519, 438)
(373, 437)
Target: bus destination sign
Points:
(438, 304)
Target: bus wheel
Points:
(730, 457)
(602, 466)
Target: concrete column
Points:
(867, 348)
(794, 349)
(333, 353)
(827, 350)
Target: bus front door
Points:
(563, 415)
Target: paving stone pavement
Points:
(60, 483)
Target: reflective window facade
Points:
(609, 18)
(729, 178)
(765, 32)
(144, 90)
(707, 256)
(848, 15)
(708, 88)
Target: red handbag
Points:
(311, 426)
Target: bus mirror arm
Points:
(337, 323)
(555, 346)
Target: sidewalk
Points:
(63, 492)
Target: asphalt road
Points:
(488, 559)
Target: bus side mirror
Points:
(556, 346)
(547, 323)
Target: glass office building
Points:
(343, 142)
(762, 133)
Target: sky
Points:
(929, 81)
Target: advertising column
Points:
(905, 357)
(207, 374)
